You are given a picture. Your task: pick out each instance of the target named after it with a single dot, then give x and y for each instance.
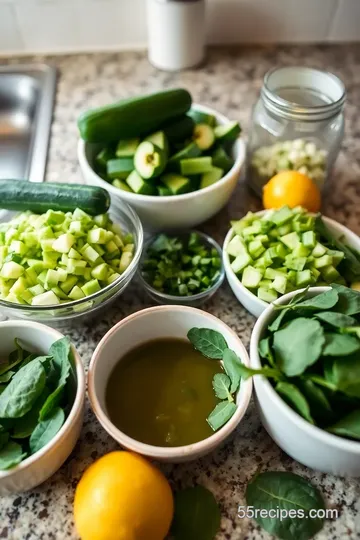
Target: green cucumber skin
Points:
(133, 117)
(23, 195)
(179, 129)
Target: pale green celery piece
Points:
(267, 295)
(321, 262)
(319, 250)
(291, 240)
(279, 284)
(125, 261)
(236, 246)
(304, 278)
(240, 262)
(330, 274)
(251, 277)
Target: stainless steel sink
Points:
(26, 104)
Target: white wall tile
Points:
(48, 25)
(10, 37)
(346, 23)
(111, 23)
(269, 21)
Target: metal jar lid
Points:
(302, 93)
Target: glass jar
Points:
(297, 124)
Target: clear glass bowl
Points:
(195, 299)
(59, 314)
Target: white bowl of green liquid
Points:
(152, 388)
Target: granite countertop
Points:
(229, 82)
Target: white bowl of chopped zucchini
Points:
(60, 265)
(177, 177)
(274, 252)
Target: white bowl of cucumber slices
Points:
(171, 202)
(300, 257)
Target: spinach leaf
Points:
(298, 345)
(209, 342)
(221, 414)
(24, 426)
(349, 300)
(325, 300)
(46, 430)
(288, 491)
(265, 350)
(196, 515)
(232, 364)
(320, 407)
(351, 260)
(221, 385)
(22, 391)
(6, 376)
(4, 438)
(340, 344)
(11, 364)
(59, 350)
(339, 320)
(349, 426)
(321, 381)
(344, 373)
(295, 399)
(52, 401)
(10, 455)
(268, 372)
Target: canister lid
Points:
(303, 93)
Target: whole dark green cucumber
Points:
(133, 117)
(22, 195)
(179, 129)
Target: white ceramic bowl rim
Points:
(255, 362)
(159, 451)
(246, 292)
(75, 409)
(166, 199)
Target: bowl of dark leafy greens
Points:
(305, 360)
(42, 394)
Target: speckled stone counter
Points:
(230, 82)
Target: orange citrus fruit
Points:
(122, 496)
(291, 188)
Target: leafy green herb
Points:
(4, 438)
(271, 373)
(51, 402)
(349, 426)
(60, 350)
(23, 390)
(292, 395)
(319, 404)
(221, 384)
(298, 345)
(196, 515)
(344, 373)
(232, 366)
(46, 430)
(265, 350)
(6, 377)
(340, 344)
(209, 342)
(286, 491)
(24, 426)
(325, 300)
(221, 414)
(10, 455)
(339, 320)
(349, 300)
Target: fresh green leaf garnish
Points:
(298, 345)
(325, 300)
(349, 300)
(349, 426)
(288, 491)
(10, 455)
(265, 350)
(221, 385)
(339, 320)
(340, 344)
(232, 365)
(196, 516)
(22, 391)
(316, 398)
(292, 395)
(59, 350)
(271, 373)
(209, 342)
(46, 430)
(221, 414)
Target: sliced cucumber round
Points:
(149, 160)
(204, 136)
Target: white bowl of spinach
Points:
(305, 359)
(42, 393)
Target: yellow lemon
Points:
(122, 496)
(293, 189)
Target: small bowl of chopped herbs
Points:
(181, 268)
(42, 395)
(305, 359)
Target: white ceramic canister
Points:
(176, 32)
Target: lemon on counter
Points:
(122, 496)
(291, 188)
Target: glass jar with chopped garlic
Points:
(297, 124)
